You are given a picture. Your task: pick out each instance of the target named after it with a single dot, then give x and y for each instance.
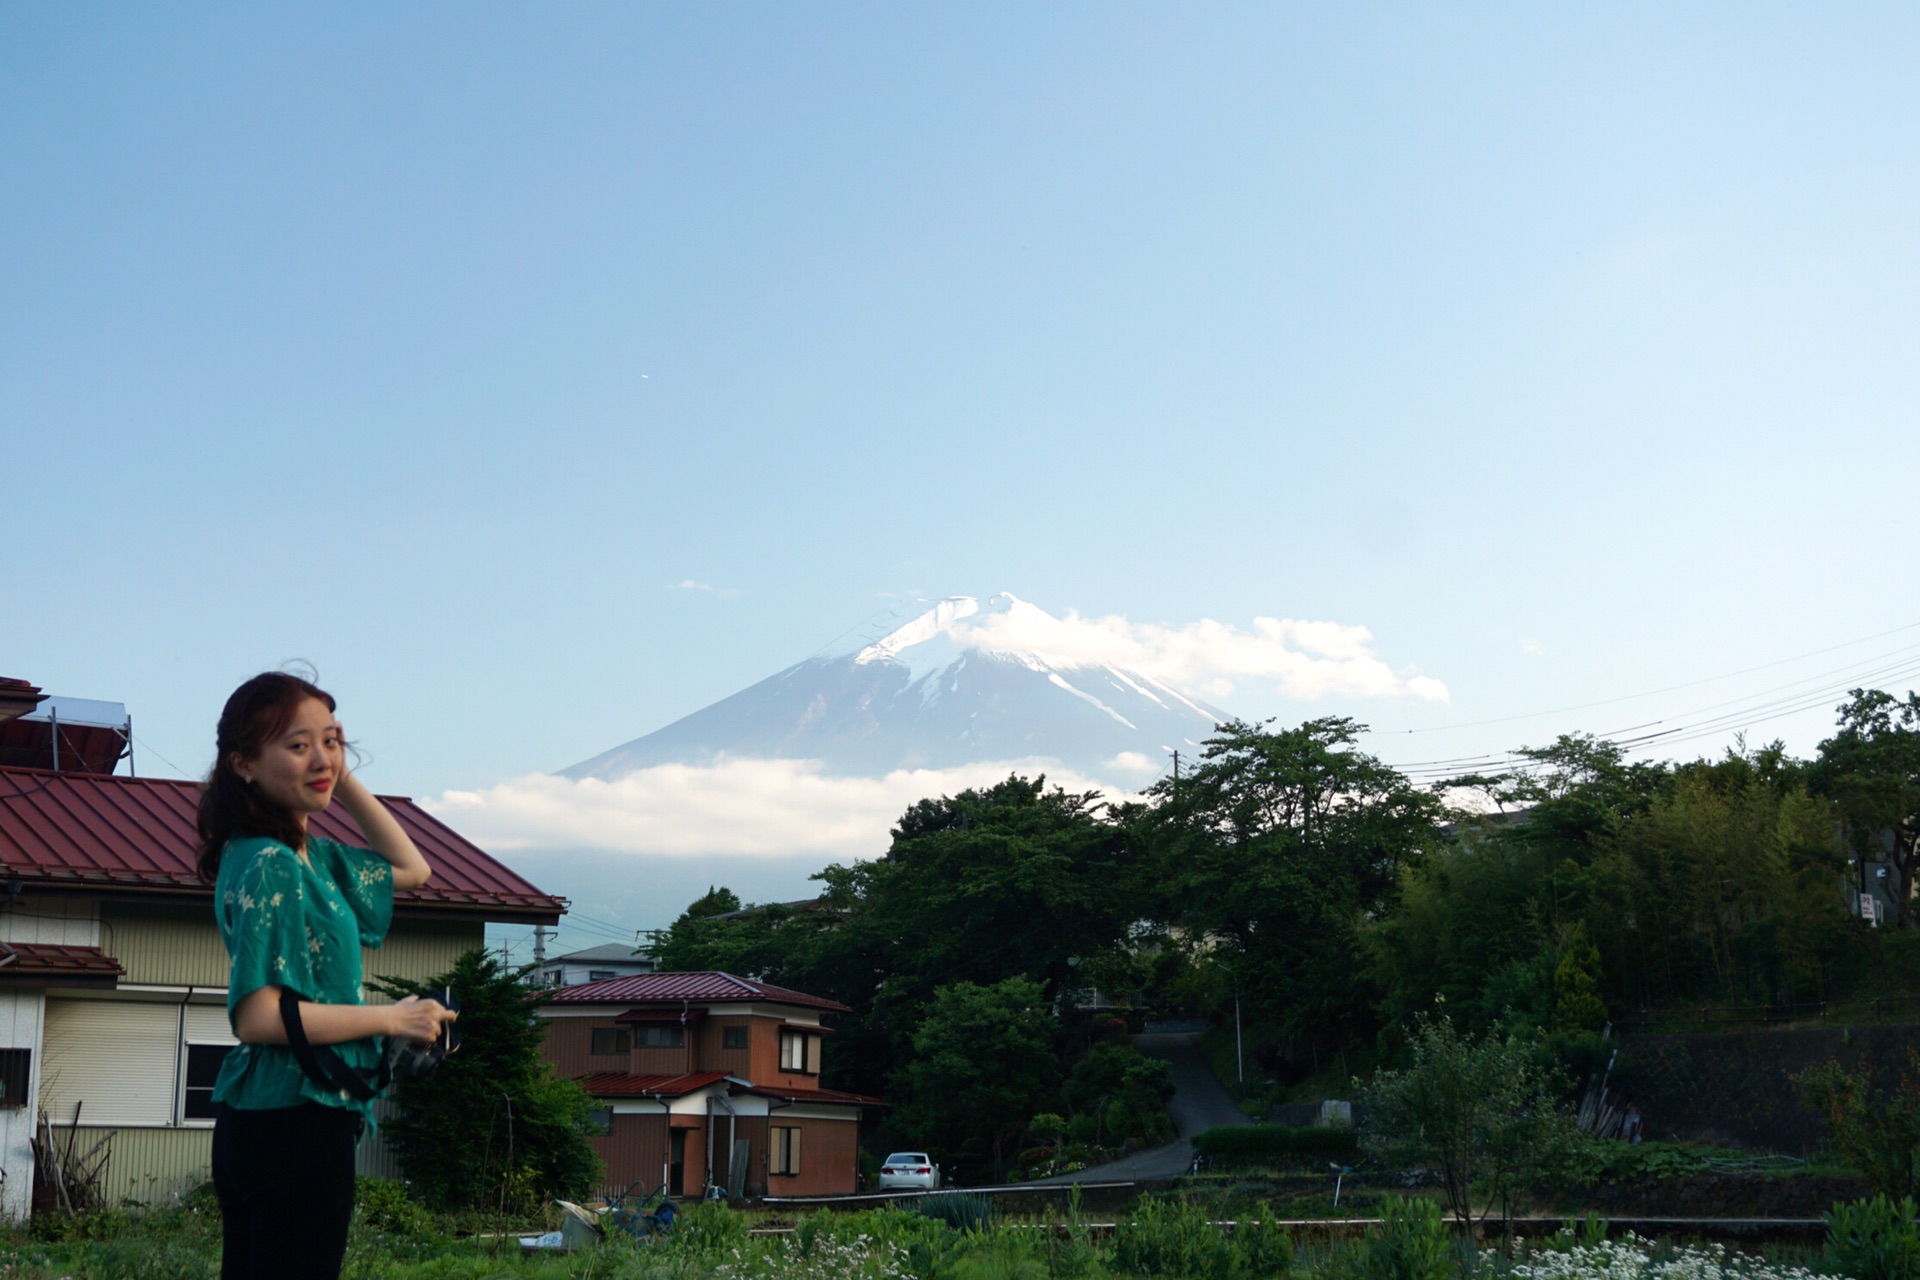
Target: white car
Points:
(912, 1170)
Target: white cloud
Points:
(757, 808)
(1301, 659)
(706, 588)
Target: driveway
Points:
(1199, 1103)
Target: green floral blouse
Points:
(290, 924)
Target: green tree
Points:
(1482, 1111)
(1271, 850)
(493, 1118)
(983, 1065)
(1871, 769)
(1875, 1130)
(714, 902)
(1577, 1005)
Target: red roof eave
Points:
(139, 834)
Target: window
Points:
(608, 1041)
(662, 1037)
(600, 975)
(15, 1066)
(797, 1052)
(733, 1037)
(203, 1068)
(783, 1150)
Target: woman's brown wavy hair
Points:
(258, 712)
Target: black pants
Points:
(285, 1181)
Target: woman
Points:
(294, 911)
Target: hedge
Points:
(1277, 1144)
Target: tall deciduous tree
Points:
(1871, 769)
(983, 1064)
(1272, 847)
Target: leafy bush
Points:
(383, 1205)
(1412, 1243)
(1170, 1238)
(1876, 1131)
(1260, 1247)
(1277, 1144)
(961, 1210)
(1874, 1239)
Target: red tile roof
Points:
(785, 1094)
(26, 961)
(618, 1084)
(698, 987)
(106, 832)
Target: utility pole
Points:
(1176, 764)
(539, 944)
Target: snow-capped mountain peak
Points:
(964, 681)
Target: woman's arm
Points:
(387, 837)
(257, 1020)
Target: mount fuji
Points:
(967, 681)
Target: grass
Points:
(1170, 1238)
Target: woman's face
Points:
(298, 769)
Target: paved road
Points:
(1199, 1103)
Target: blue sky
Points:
(1569, 350)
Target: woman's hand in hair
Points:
(384, 834)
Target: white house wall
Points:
(22, 1015)
(54, 920)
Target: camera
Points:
(406, 1058)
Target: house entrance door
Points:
(677, 1164)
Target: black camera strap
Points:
(327, 1069)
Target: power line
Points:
(1690, 684)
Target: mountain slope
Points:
(948, 688)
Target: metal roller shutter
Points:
(116, 1057)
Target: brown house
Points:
(709, 1080)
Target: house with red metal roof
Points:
(709, 1080)
(113, 978)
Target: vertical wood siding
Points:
(635, 1150)
(178, 945)
(419, 949)
(713, 1057)
(829, 1159)
(152, 1166)
(165, 944)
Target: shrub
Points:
(1411, 1244)
(382, 1205)
(1260, 1247)
(961, 1210)
(1874, 1239)
(1170, 1238)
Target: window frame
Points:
(621, 1037)
(808, 1055)
(188, 1089)
(735, 1038)
(660, 1035)
(783, 1151)
(16, 1067)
